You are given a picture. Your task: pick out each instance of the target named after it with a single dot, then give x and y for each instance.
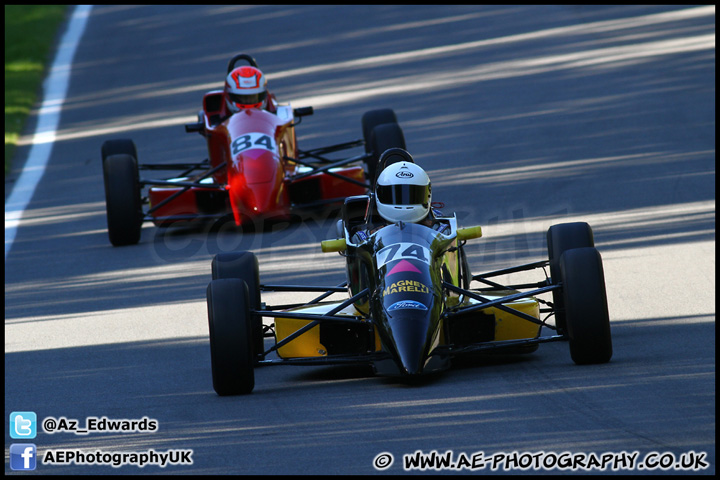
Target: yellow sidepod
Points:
(308, 344)
(512, 327)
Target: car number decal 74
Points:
(253, 140)
(402, 250)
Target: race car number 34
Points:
(253, 140)
(402, 250)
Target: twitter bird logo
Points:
(23, 425)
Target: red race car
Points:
(254, 170)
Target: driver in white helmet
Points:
(245, 88)
(403, 194)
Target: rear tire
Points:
(244, 266)
(370, 120)
(383, 137)
(231, 351)
(586, 310)
(562, 237)
(122, 199)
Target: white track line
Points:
(55, 89)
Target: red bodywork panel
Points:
(257, 179)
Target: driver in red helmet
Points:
(246, 87)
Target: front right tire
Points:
(244, 266)
(231, 350)
(122, 199)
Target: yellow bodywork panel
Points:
(308, 344)
(509, 326)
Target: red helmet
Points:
(245, 87)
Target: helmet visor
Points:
(250, 99)
(403, 194)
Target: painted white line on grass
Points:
(55, 89)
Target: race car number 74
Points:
(403, 250)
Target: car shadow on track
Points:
(170, 381)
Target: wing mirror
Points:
(468, 233)
(303, 111)
(337, 245)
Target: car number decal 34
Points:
(402, 250)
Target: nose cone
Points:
(260, 199)
(411, 337)
(257, 189)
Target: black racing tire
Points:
(122, 199)
(244, 265)
(372, 119)
(117, 147)
(231, 352)
(383, 137)
(562, 237)
(586, 309)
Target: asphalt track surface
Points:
(523, 116)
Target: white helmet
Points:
(403, 193)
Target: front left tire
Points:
(586, 309)
(560, 238)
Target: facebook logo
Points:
(23, 425)
(22, 456)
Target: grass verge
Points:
(30, 33)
